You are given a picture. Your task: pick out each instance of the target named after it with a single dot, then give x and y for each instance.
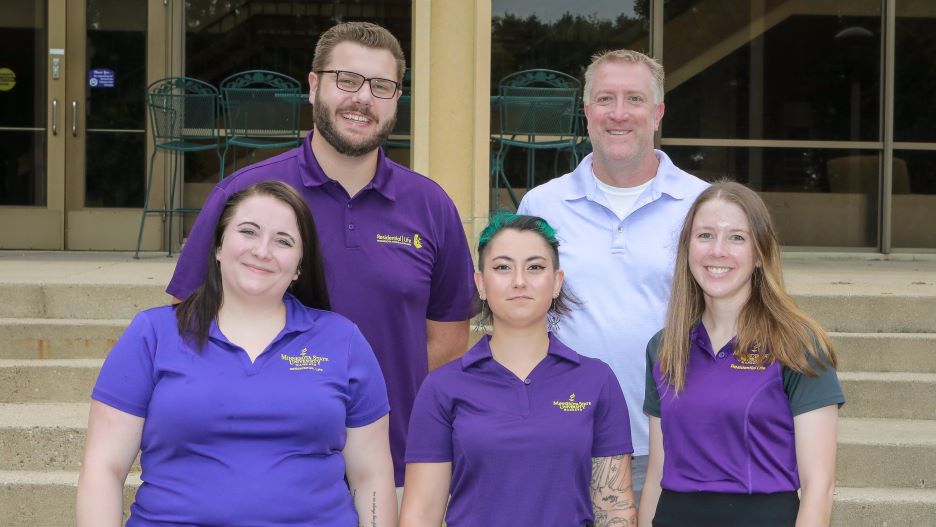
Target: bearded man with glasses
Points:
(397, 260)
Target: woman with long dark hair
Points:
(741, 386)
(250, 402)
(521, 430)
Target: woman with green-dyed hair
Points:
(521, 430)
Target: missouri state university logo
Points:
(304, 361)
(572, 405)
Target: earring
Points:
(552, 317)
(479, 325)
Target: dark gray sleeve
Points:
(807, 393)
(651, 405)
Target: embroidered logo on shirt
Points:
(572, 405)
(401, 239)
(752, 361)
(304, 361)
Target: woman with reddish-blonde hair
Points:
(741, 391)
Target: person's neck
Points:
(352, 173)
(625, 173)
(720, 319)
(519, 349)
(251, 324)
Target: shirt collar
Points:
(481, 351)
(313, 176)
(668, 180)
(299, 318)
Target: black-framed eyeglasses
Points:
(351, 82)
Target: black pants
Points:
(716, 509)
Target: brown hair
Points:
(364, 33)
(769, 320)
(626, 55)
(195, 314)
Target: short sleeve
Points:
(807, 393)
(192, 267)
(430, 428)
(651, 405)
(366, 387)
(127, 378)
(452, 289)
(612, 435)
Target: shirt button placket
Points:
(526, 397)
(351, 228)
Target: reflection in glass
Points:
(915, 72)
(818, 197)
(23, 103)
(538, 34)
(914, 200)
(117, 175)
(223, 37)
(114, 163)
(761, 70)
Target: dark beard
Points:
(321, 116)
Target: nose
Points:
(719, 248)
(364, 95)
(261, 249)
(518, 279)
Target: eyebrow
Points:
(511, 259)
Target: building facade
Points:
(825, 107)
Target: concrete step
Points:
(79, 300)
(879, 313)
(886, 453)
(42, 436)
(884, 507)
(890, 395)
(886, 352)
(46, 499)
(58, 338)
(52, 380)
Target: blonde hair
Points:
(364, 33)
(633, 57)
(769, 321)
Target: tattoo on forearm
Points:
(373, 509)
(611, 492)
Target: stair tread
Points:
(898, 494)
(47, 415)
(58, 477)
(887, 376)
(895, 432)
(63, 321)
(51, 363)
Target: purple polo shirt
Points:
(520, 448)
(731, 428)
(395, 255)
(229, 442)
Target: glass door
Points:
(31, 198)
(73, 122)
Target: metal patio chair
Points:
(184, 117)
(536, 112)
(261, 110)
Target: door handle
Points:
(54, 116)
(74, 118)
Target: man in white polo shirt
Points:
(618, 217)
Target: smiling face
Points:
(721, 252)
(356, 123)
(260, 249)
(622, 112)
(518, 278)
